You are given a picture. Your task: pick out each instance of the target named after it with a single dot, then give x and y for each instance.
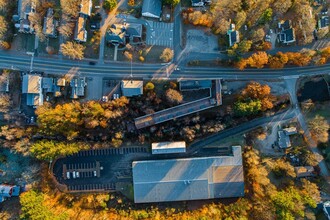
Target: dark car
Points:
(92, 63)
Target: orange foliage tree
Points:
(256, 91)
(258, 59)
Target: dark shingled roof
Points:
(189, 178)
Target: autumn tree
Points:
(73, 50)
(4, 45)
(149, 86)
(5, 102)
(258, 35)
(173, 96)
(66, 28)
(281, 6)
(33, 207)
(241, 64)
(291, 203)
(36, 22)
(240, 19)
(256, 91)
(198, 18)
(301, 10)
(258, 59)
(62, 120)
(3, 5)
(222, 26)
(278, 61)
(283, 168)
(319, 128)
(49, 150)
(244, 46)
(70, 7)
(167, 55)
(246, 108)
(109, 5)
(266, 16)
(171, 2)
(3, 26)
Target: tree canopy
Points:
(167, 55)
(173, 96)
(49, 150)
(33, 207)
(319, 128)
(171, 2)
(109, 4)
(69, 119)
(254, 98)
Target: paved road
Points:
(242, 128)
(118, 70)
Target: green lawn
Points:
(319, 109)
(126, 189)
(23, 42)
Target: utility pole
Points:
(32, 58)
(131, 75)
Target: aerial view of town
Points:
(164, 109)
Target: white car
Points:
(74, 174)
(95, 174)
(77, 174)
(68, 175)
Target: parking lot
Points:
(110, 87)
(161, 34)
(199, 41)
(100, 169)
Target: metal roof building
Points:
(168, 147)
(152, 8)
(187, 85)
(189, 178)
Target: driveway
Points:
(161, 34)
(291, 87)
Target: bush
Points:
(173, 96)
(167, 55)
(149, 86)
(109, 5)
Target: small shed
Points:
(131, 88)
(168, 147)
(306, 171)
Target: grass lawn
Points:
(185, 3)
(151, 54)
(23, 42)
(320, 109)
(126, 189)
(52, 42)
(297, 140)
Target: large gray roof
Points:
(152, 8)
(189, 178)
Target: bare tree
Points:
(73, 50)
(167, 55)
(66, 28)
